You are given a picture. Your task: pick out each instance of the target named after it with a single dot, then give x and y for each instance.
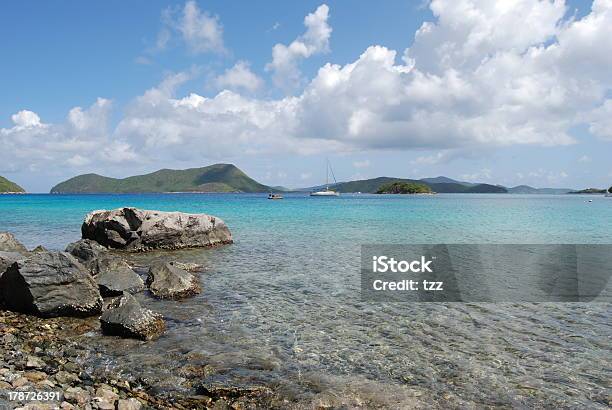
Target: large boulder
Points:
(50, 284)
(166, 281)
(86, 251)
(7, 259)
(114, 276)
(140, 230)
(8, 243)
(126, 318)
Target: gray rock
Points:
(8, 243)
(115, 276)
(126, 318)
(188, 266)
(129, 404)
(7, 259)
(39, 248)
(86, 251)
(50, 284)
(141, 230)
(166, 281)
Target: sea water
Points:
(281, 307)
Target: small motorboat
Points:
(275, 196)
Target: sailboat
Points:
(327, 191)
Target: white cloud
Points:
(483, 174)
(584, 159)
(285, 59)
(362, 164)
(201, 31)
(26, 119)
(81, 140)
(471, 80)
(600, 121)
(430, 159)
(239, 77)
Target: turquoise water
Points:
(282, 307)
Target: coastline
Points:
(49, 355)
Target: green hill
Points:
(589, 191)
(403, 188)
(214, 178)
(9, 186)
(372, 185)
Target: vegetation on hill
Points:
(372, 185)
(213, 178)
(526, 189)
(589, 191)
(9, 186)
(403, 188)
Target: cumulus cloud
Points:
(285, 59)
(80, 140)
(470, 80)
(239, 77)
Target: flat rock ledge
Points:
(126, 318)
(137, 230)
(50, 284)
(167, 281)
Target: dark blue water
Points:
(282, 307)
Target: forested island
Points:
(404, 188)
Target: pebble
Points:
(21, 381)
(129, 404)
(77, 395)
(34, 363)
(35, 376)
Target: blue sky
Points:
(105, 87)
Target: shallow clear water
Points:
(282, 307)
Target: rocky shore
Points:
(51, 300)
(47, 355)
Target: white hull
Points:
(325, 193)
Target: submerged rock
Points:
(115, 276)
(49, 284)
(126, 318)
(166, 281)
(86, 251)
(8, 243)
(141, 230)
(188, 266)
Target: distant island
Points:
(9, 187)
(229, 178)
(213, 178)
(404, 188)
(526, 189)
(589, 191)
(438, 184)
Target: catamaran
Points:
(327, 191)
